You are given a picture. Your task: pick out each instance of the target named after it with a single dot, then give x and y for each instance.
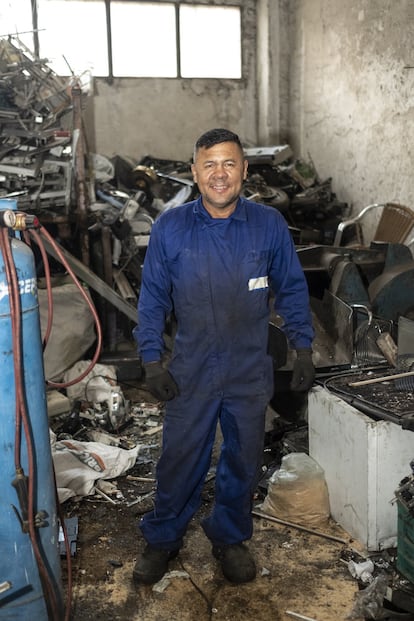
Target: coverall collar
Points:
(239, 213)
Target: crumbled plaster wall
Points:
(351, 95)
(163, 117)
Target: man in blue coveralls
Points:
(211, 262)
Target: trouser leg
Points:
(242, 422)
(188, 438)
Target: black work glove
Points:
(303, 371)
(160, 382)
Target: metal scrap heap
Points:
(35, 151)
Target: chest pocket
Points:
(255, 268)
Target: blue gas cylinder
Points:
(25, 598)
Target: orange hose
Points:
(63, 260)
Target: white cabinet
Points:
(364, 461)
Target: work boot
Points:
(236, 562)
(152, 565)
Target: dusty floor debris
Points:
(297, 571)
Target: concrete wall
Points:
(351, 95)
(163, 117)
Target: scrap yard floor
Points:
(300, 575)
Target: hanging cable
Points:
(62, 259)
(46, 267)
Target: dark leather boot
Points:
(236, 562)
(152, 565)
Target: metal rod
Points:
(140, 499)
(298, 527)
(94, 281)
(298, 616)
(384, 378)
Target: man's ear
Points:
(246, 166)
(193, 171)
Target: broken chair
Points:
(395, 223)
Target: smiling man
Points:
(219, 171)
(213, 262)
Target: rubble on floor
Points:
(326, 562)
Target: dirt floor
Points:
(300, 575)
(297, 572)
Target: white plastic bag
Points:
(96, 386)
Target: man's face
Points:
(219, 172)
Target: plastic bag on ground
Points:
(78, 465)
(297, 492)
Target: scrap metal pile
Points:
(102, 210)
(35, 152)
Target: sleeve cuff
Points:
(151, 355)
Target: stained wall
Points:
(351, 95)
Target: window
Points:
(16, 19)
(143, 39)
(131, 38)
(73, 36)
(210, 42)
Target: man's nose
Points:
(220, 171)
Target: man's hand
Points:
(160, 382)
(303, 371)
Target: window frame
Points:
(110, 77)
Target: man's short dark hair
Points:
(216, 136)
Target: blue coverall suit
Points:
(214, 275)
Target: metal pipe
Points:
(298, 616)
(298, 527)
